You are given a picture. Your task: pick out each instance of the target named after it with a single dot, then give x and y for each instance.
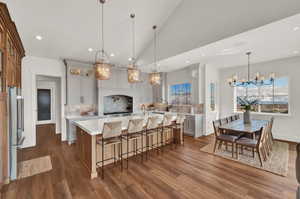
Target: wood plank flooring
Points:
(185, 172)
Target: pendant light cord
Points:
(155, 49)
(133, 37)
(102, 26)
(248, 53)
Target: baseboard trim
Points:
(287, 141)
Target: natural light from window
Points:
(272, 98)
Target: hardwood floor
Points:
(185, 172)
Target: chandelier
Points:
(102, 66)
(259, 80)
(133, 72)
(154, 77)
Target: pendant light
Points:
(259, 80)
(133, 72)
(154, 77)
(102, 66)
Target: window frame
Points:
(289, 114)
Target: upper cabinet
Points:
(11, 51)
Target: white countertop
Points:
(95, 126)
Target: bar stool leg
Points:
(121, 153)
(142, 144)
(102, 168)
(157, 141)
(147, 146)
(114, 154)
(127, 151)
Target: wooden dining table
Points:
(238, 126)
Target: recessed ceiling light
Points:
(296, 28)
(187, 61)
(90, 50)
(112, 54)
(129, 59)
(296, 52)
(39, 37)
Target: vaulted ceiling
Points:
(70, 27)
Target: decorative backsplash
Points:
(117, 104)
(81, 110)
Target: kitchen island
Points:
(89, 131)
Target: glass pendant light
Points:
(133, 72)
(102, 66)
(154, 77)
(259, 80)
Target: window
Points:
(272, 98)
(180, 93)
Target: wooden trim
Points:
(286, 141)
(3, 138)
(12, 29)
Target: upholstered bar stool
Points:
(133, 133)
(167, 135)
(111, 136)
(152, 128)
(179, 126)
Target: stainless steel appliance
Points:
(16, 128)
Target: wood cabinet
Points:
(11, 50)
(11, 54)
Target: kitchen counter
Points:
(95, 126)
(90, 152)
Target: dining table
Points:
(238, 126)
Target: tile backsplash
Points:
(73, 110)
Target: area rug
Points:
(34, 166)
(277, 163)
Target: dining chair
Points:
(111, 136)
(232, 118)
(236, 117)
(220, 137)
(224, 121)
(134, 133)
(254, 144)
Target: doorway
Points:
(44, 105)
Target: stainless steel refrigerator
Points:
(16, 128)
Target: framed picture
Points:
(180, 93)
(212, 88)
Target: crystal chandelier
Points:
(259, 80)
(102, 66)
(154, 77)
(133, 72)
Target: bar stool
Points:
(132, 134)
(179, 125)
(111, 135)
(167, 128)
(152, 128)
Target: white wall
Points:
(211, 76)
(285, 127)
(118, 85)
(33, 66)
(186, 75)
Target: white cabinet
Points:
(81, 90)
(193, 125)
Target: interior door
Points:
(44, 110)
